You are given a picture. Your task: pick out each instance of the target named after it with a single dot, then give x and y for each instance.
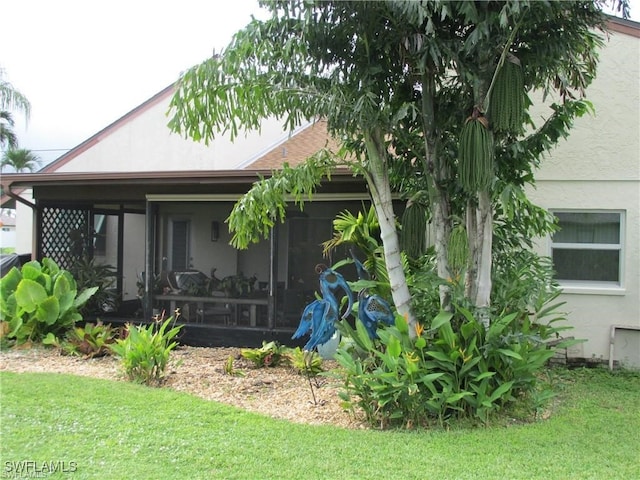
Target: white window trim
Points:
(593, 287)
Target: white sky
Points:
(84, 64)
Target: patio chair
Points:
(212, 311)
(169, 283)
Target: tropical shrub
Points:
(360, 234)
(271, 354)
(146, 349)
(40, 300)
(451, 368)
(88, 273)
(90, 340)
(305, 362)
(229, 369)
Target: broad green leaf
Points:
(469, 365)
(8, 307)
(430, 377)
(500, 391)
(48, 311)
(445, 332)
(420, 343)
(10, 282)
(61, 286)
(441, 319)
(393, 347)
(467, 329)
(31, 270)
(33, 264)
(30, 294)
(14, 326)
(50, 339)
(363, 336)
(569, 342)
(499, 325)
(401, 324)
(50, 266)
(510, 353)
(458, 396)
(84, 296)
(484, 375)
(66, 300)
(439, 356)
(466, 313)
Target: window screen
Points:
(588, 246)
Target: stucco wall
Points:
(8, 237)
(144, 143)
(598, 167)
(24, 224)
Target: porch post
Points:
(120, 260)
(273, 277)
(148, 264)
(36, 233)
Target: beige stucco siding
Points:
(598, 168)
(145, 143)
(592, 310)
(605, 146)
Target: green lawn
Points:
(115, 430)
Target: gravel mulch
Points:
(278, 392)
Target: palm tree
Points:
(7, 136)
(20, 159)
(10, 100)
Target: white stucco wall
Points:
(144, 143)
(24, 224)
(598, 168)
(8, 237)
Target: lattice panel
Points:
(65, 234)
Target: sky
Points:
(84, 64)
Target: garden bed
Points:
(279, 392)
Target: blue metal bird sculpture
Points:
(372, 309)
(320, 316)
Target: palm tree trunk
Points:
(438, 196)
(480, 233)
(378, 181)
(441, 209)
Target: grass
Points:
(114, 430)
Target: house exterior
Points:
(169, 198)
(142, 199)
(592, 183)
(7, 232)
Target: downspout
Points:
(18, 198)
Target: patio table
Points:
(201, 301)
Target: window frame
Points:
(594, 286)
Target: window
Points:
(100, 235)
(588, 248)
(180, 234)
